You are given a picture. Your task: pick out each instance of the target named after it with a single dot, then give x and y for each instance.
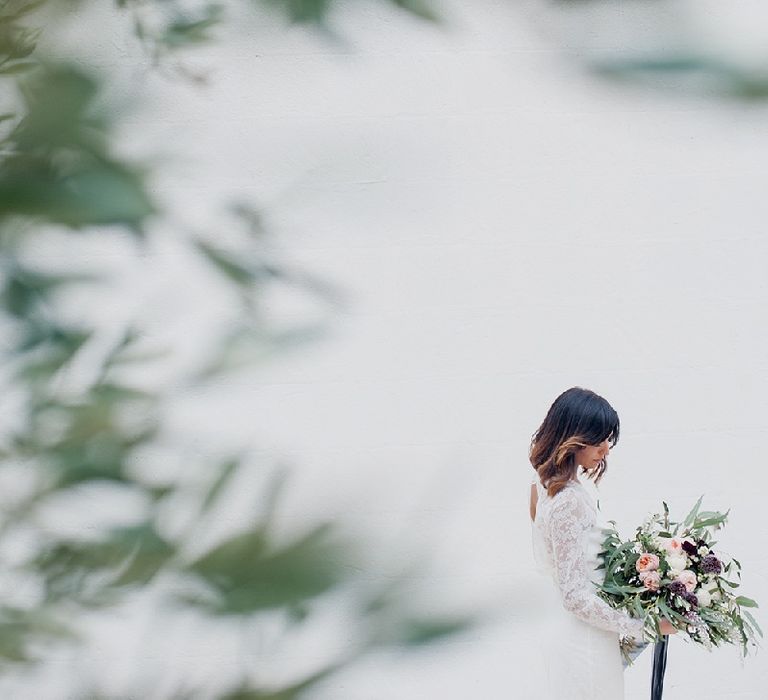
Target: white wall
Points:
(504, 227)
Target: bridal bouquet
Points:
(670, 570)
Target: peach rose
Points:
(673, 545)
(647, 562)
(651, 580)
(688, 578)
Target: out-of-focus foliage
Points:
(697, 73)
(315, 11)
(59, 172)
(56, 165)
(17, 41)
(662, 45)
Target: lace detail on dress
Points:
(566, 523)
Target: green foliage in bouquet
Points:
(670, 570)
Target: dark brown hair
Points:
(577, 418)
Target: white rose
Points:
(704, 597)
(714, 592)
(677, 562)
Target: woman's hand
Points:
(666, 627)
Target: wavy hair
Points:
(578, 418)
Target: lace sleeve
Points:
(568, 520)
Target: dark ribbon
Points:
(659, 666)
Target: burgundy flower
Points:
(692, 599)
(711, 564)
(690, 548)
(676, 588)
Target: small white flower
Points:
(704, 597)
(703, 551)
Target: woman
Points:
(580, 637)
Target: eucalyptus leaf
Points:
(692, 514)
(752, 620)
(745, 602)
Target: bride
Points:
(579, 637)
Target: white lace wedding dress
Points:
(579, 634)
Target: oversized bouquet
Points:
(669, 570)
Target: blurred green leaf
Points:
(417, 632)
(303, 11)
(24, 289)
(692, 72)
(249, 572)
(246, 345)
(16, 42)
(185, 32)
(316, 11)
(226, 264)
(59, 168)
(21, 629)
(59, 112)
(12, 10)
(46, 349)
(15, 68)
(226, 471)
(132, 555)
(291, 692)
(87, 192)
(420, 8)
(93, 445)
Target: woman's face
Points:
(589, 457)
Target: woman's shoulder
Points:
(567, 490)
(568, 498)
(565, 495)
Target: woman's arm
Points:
(534, 501)
(568, 520)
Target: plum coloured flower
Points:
(676, 587)
(691, 599)
(711, 564)
(689, 547)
